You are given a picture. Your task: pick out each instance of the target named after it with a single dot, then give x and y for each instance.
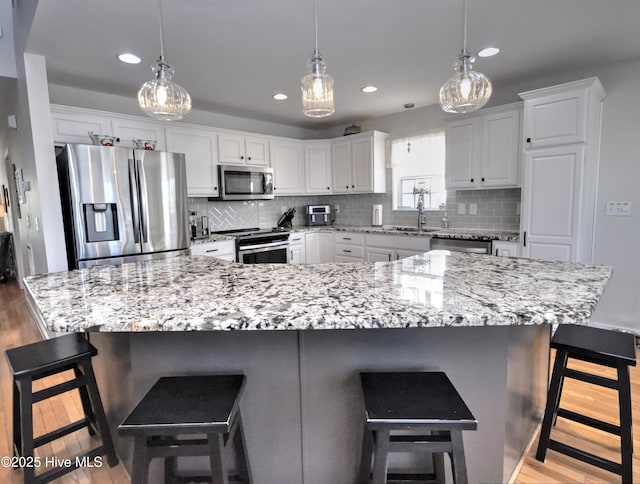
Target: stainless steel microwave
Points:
(245, 182)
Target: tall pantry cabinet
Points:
(560, 170)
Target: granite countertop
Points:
(469, 234)
(434, 289)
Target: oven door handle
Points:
(252, 249)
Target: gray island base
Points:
(304, 332)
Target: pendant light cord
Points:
(464, 26)
(161, 30)
(315, 21)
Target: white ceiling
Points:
(233, 55)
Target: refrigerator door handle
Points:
(142, 197)
(135, 210)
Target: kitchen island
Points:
(483, 320)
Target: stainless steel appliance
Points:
(319, 215)
(122, 205)
(245, 183)
(462, 245)
(255, 246)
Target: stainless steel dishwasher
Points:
(462, 245)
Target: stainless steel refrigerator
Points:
(122, 205)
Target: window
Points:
(420, 168)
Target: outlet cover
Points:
(473, 209)
(618, 209)
(461, 209)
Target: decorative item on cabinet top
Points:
(144, 144)
(353, 129)
(102, 139)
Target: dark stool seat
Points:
(188, 405)
(38, 360)
(603, 347)
(411, 412)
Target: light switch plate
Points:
(618, 209)
(473, 209)
(461, 209)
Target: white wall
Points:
(7, 47)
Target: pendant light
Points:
(467, 90)
(317, 85)
(162, 98)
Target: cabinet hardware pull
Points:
(212, 250)
(482, 178)
(328, 188)
(345, 250)
(390, 256)
(346, 186)
(242, 157)
(353, 186)
(496, 251)
(248, 157)
(524, 242)
(528, 140)
(346, 238)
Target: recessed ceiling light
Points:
(369, 89)
(280, 96)
(488, 52)
(129, 58)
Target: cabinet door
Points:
(362, 165)
(71, 127)
(231, 149)
(312, 248)
(551, 194)
(288, 168)
(297, 254)
(325, 240)
(317, 167)
(556, 119)
(500, 149)
(403, 253)
(257, 151)
(128, 130)
(341, 164)
(200, 150)
(225, 249)
(379, 254)
(461, 155)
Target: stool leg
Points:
(170, 465)
(216, 447)
(365, 459)
(26, 425)
(626, 433)
(101, 419)
(458, 463)
(86, 403)
(380, 456)
(241, 451)
(140, 464)
(553, 399)
(438, 467)
(17, 436)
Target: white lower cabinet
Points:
(503, 248)
(319, 247)
(386, 248)
(348, 247)
(223, 249)
(297, 249)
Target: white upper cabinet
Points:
(201, 155)
(287, 161)
(129, 129)
(234, 149)
(561, 157)
(359, 163)
(483, 151)
(72, 125)
(317, 167)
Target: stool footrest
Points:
(593, 379)
(177, 448)
(423, 443)
(59, 388)
(585, 457)
(61, 432)
(405, 478)
(589, 421)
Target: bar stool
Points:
(189, 405)
(603, 347)
(45, 358)
(423, 404)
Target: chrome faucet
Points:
(420, 192)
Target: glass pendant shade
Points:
(467, 90)
(317, 89)
(162, 98)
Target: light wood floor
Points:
(18, 328)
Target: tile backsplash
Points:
(496, 210)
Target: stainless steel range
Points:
(256, 246)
